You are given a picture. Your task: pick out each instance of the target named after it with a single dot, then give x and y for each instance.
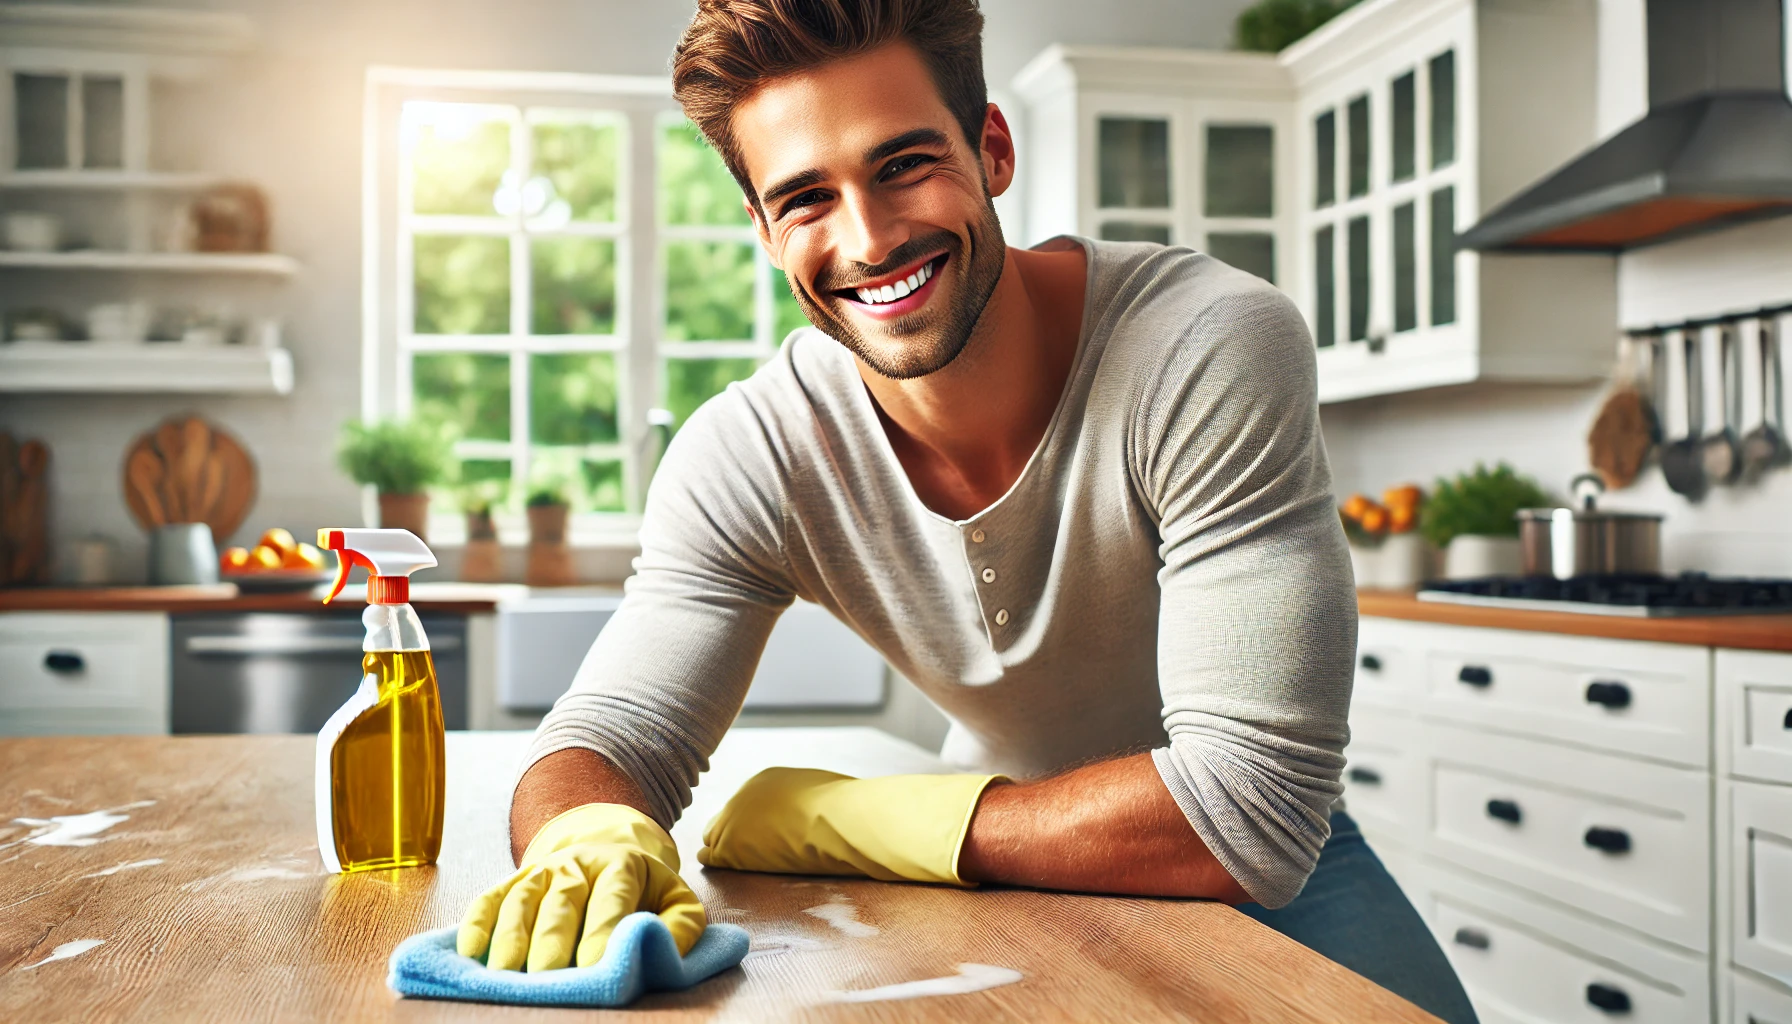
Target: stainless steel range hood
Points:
(1714, 149)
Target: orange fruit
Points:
(1375, 519)
(263, 557)
(1402, 518)
(233, 559)
(1355, 506)
(1404, 496)
(280, 540)
(305, 556)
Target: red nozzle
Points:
(346, 559)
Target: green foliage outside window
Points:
(581, 158)
(691, 382)
(572, 398)
(574, 286)
(465, 393)
(695, 186)
(462, 284)
(457, 166)
(709, 291)
(1268, 26)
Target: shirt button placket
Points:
(988, 575)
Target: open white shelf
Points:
(102, 181)
(179, 262)
(143, 368)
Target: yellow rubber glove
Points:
(803, 821)
(592, 865)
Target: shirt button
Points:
(1001, 616)
(989, 575)
(977, 536)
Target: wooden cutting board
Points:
(24, 511)
(187, 470)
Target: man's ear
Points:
(764, 233)
(997, 151)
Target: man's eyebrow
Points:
(907, 140)
(795, 183)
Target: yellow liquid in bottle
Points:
(388, 770)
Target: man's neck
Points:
(965, 433)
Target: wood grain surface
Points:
(1743, 632)
(210, 905)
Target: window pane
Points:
(41, 105)
(480, 480)
(1135, 162)
(1443, 109)
(102, 121)
(603, 486)
(1325, 152)
(589, 485)
(1357, 119)
(1325, 296)
(1250, 251)
(787, 316)
(1357, 240)
(691, 382)
(1406, 270)
(1133, 231)
(467, 392)
(462, 284)
(709, 291)
(459, 153)
(579, 158)
(1405, 127)
(695, 186)
(572, 398)
(1240, 171)
(574, 286)
(1443, 256)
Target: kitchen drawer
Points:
(1626, 696)
(1754, 708)
(1755, 1000)
(66, 668)
(1384, 775)
(1521, 959)
(1625, 840)
(1388, 663)
(1760, 852)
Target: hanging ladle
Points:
(1681, 464)
(1764, 446)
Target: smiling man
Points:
(1076, 493)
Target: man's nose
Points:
(871, 230)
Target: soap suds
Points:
(843, 917)
(970, 978)
(774, 945)
(65, 951)
(74, 829)
(116, 868)
(257, 873)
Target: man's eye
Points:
(809, 198)
(905, 163)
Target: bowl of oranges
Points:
(276, 562)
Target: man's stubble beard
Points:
(927, 343)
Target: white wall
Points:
(288, 117)
(1542, 430)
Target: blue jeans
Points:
(1353, 913)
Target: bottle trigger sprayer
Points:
(381, 763)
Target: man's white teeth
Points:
(892, 292)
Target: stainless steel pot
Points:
(1567, 542)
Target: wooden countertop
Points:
(462, 598)
(210, 905)
(1748, 632)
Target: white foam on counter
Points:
(75, 829)
(65, 951)
(116, 868)
(842, 916)
(257, 873)
(970, 978)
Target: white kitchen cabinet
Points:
(1754, 707)
(1389, 665)
(1175, 146)
(1384, 774)
(86, 672)
(1756, 1000)
(1760, 876)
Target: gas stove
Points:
(1635, 596)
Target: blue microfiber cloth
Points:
(641, 956)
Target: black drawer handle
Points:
(1607, 998)
(1365, 776)
(1610, 840)
(65, 662)
(1476, 675)
(1613, 695)
(1473, 938)
(1371, 663)
(1788, 722)
(1505, 810)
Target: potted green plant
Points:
(482, 559)
(550, 559)
(401, 460)
(1473, 519)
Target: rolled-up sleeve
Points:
(1257, 628)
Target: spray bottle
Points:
(381, 764)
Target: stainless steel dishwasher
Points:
(258, 672)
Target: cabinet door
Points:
(1135, 159)
(83, 672)
(1754, 707)
(1760, 852)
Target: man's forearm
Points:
(561, 781)
(1108, 827)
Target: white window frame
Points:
(646, 106)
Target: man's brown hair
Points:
(733, 47)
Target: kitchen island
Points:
(193, 863)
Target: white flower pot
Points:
(1471, 556)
